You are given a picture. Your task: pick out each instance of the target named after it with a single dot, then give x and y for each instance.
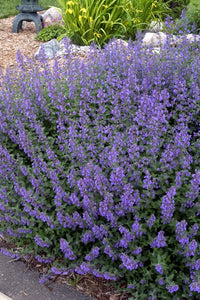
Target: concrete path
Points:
(18, 283)
(4, 297)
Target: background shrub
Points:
(188, 23)
(141, 13)
(50, 32)
(177, 6)
(99, 166)
(192, 20)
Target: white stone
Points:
(156, 50)
(154, 39)
(67, 47)
(52, 16)
(73, 48)
(50, 49)
(193, 38)
(118, 42)
(190, 38)
(158, 39)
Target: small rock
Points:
(54, 48)
(49, 49)
(118, 43)
(52, 16)
(159, 39)
(193, 38)
(154, 39)
(68, 47)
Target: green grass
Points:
(8, 6)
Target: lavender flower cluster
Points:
(99, 165)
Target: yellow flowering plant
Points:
(88, 21)
(98, 21)
(140, 14)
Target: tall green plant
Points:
(140, 14)
(89, 21)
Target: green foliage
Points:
(93, 21)
(193, 16)
(99, 21)
(50, 32)
(188, 23)
(140, 14)
(74, 281)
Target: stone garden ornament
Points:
(29, 9)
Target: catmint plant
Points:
(99, 166)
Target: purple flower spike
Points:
(195, 286)
(128, 262)
(172, 288)
(64, 246)
(159, 269)
(168, 205)
(161, 281)
(192, 246)
(160, 241)
(151, 221)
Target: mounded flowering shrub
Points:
(99, 166)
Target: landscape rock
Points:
(48, 49)
(66, 46)
(52, 16)
(54, 48)
(193, 38)
(117, 43)
(149, 39)
(154, 39)
(159, 39)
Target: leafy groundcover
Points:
(99, 166)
